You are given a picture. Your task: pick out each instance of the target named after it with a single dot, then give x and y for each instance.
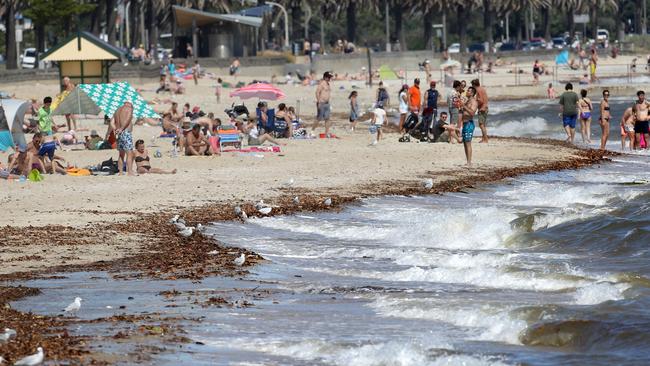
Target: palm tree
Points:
(11, 56)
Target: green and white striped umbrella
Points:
(91, 98)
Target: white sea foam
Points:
(530, 126)
(597, 293)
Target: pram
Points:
(416, 127)
(236, 111)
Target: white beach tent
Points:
(12, 115)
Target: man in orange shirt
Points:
(415, 98)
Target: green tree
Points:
(48, 12)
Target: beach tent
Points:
(95, 98)
(386, 73)
(562, 58)
(12, 115)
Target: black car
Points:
(476, 47)
(508, 47)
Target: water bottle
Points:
(22, 179)
(157, 154)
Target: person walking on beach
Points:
(569, 111)
(382, 95)
(196, 72)
(605, 116)
(403, 106)
(171, 67)
(354, 110)
(123, 128)
(455, 103)
(627, 128)
(323, 93)
(585, 107)
(641, 127)
(378, 120)
(70, 119)
(466, 125)
(593, 61)
(415, 97)
(482, 100)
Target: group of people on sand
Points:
(633, 125)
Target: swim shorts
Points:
(468, 131)
(323, 112)
(482, 118)
(569, 121)
(642, 127)
(47, 149)
(125, 141)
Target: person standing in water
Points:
(482, 100)
(585, 107)
(123, 128)
(627, 128)
(569, 111)
(466, 124)
(605, 116)
(641, 127)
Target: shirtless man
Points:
(34, 148)
(641, 125)
(482, 100)
(123, 128)
(323, 93)
(196, 144)
(627, 128)
(20, 163)
(466, 124)
(70, 119)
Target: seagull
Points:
(296, 200)
(328, 201)
(200, 228)
(74, 306)
(260, 205)
(427, 183)
(265, 210)
(237, 210)
(181, 221)
(174, 219)
(240, 213)
(239, 261)
(290, 182)
(187, 232)
(7, 335)
(179, 226)
(32, 360)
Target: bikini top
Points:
(140, 159)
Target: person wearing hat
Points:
(196, 143)
(415, 97)
(323, 94)
(93, 141)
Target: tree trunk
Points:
(488, 23)
(296, 23)
(594, 21)
(96, 19)
(546, 23)
(518, 25)
(637, 16)
(40, 37)
(10, 36)
(571, 26)
(428, 30)
(399, 29)
(462, 27)
(351, 23)
(110, 21)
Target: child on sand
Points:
(354, 110)
(218, 88)
(550, 92)
(378, 120)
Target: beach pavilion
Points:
(222, 35)
(84, 58)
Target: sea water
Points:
(542, 269)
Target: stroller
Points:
(416, 127)
(237, 110)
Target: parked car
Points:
(508, 47)
(602, 35)
(29, 59)
(559, 42)
(476, 47)
(454, 48)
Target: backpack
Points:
(109, 166)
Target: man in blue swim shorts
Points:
(467, 123)
(569, 111)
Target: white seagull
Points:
(239, 261)
(241, 213)
(296, 200)
(328, 201)
(7, 335)
(181, 221)
(32, 360)
(187, 232)
(74, 306)
(265, 210)
(200, 228)
(260, 205)
(174, 219)
(427, 183)
(179, 226)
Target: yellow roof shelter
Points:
(84, 58)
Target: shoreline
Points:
(166, 255)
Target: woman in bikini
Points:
(605, 115)
(142, 161)
(585, 107)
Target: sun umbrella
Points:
(91, 98)
(260, 91)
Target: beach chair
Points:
(228, 135)
(270, 124)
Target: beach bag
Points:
(35, 176)
(109, 166)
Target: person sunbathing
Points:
(6, 174)
(254, 137)
(21, 162)
(196, 144)
(143, 161)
